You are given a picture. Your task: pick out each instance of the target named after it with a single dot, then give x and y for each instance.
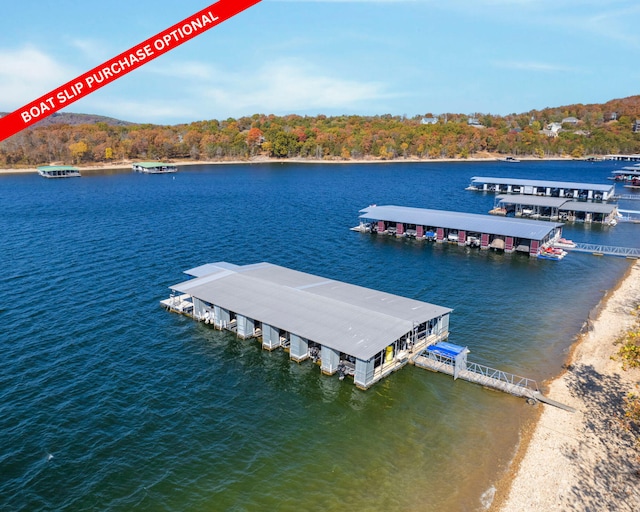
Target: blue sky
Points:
(328, 57)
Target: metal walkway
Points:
(626, 197)
(487, 377)
(479, 374)
(602, 250)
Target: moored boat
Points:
(551, 253)
(563, 243)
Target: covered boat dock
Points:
(346, 329)
(555, 209)
(154, 167)
(583, 191)
(484, 231)
(58, 171)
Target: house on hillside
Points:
(570, 120)
(636, 126)
(552, 129)
(429, 120)
(475, 122)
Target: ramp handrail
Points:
(628, 197)
(606, 249)
(509, 378)
(485, 371)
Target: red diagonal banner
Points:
(122, 64)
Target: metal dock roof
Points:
(582, 206)
(351, 319)
(151, 165)
(519, 228)
(543, 183)
(57, 168)
(562, 203)
(551, 202)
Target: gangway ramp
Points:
(626, 197)
(456, 364)
(608, 250)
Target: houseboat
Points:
(58, 171)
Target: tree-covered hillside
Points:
(574, 130)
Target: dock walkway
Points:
(626, 197)
(483, 375)
(608, 250)
(451, 359)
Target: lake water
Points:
(108, 402)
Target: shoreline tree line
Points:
(598, 129)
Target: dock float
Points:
(346, 329)
(153, 167)
(59, 171)
(555, 209)
(532, 237)
(564, 189)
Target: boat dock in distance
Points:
(533, 237)
(154, 167)
(579, 191)
(555, 209)
(58, 171)
(346, 329)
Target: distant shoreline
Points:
(267, 160)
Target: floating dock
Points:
(154, 167)
(555, 209)
(623, 158)
(507, 234)
(583, 191)
(346, 329)
(59, 171)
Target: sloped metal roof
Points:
(58, 168)
(562, 203)
(519, 228)
(581, 206)
(347, 318)
(543, 183)
(551, 202)
(151, 165)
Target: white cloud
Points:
(28, 73)
(91, 49)
(284, 86)
(544, 67)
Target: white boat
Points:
(551, 253)
(563, 243)
(510, 159)
(473, 241)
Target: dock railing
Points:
(509, 378)
(628, 252)
(479, 374)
